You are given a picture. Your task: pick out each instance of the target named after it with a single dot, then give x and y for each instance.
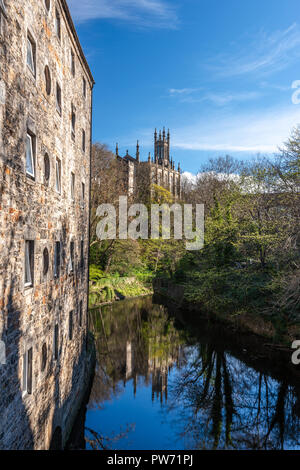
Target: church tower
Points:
(162, 148)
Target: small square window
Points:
(30, 155)
(72, 186)
(58, 176)
(31, 54)
(58, 98)
(57, 24)
(56, 260)
(29, 263)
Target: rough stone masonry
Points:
(45, 134)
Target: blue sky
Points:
(218, 73)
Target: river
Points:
(160, 384)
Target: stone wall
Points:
(32, 209)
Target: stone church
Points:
(160, 168)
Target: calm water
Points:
(159, 386)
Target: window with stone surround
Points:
(44, 357)
(47, 5)
(3, 15)
(56, 342)
(27, 371)
(29, 263)
(82, 193)
(72, 258)
(72, 186)
(47, 80)
(80, 314)
(57, 24)
(84, 87)
(58, 98)
(56, 260)
(73, 63)
(45, 261)
(30, 154)
(46, 169)
(83, 140)
(31, 54)
(81, 254)
(58, 175)
(71, 325)
(73, 121)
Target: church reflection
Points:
(140, 345)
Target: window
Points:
(45, 261)
(57, 24)
(56, 259)
(84, 87)
(56, 342)
(82, 192)
(58, 176)
(47, 4)
(30, 155)
(2, 8)
(71, 262)
(1, 21)
(29, 263)
(44, 357)
(58, 98)
(27, 371)
(73, 121)
(71, 325)
(46, 168)
(72, 186)
(80, 314)
(73, 63)
(81, 254)
(31, 52)
(48, 80)
(83, 140)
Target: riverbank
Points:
(114, 288)
(239, 299)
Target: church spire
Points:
(117, 149)
(138, 151)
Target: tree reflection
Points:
(215, 398)
(228, 405)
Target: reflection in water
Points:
(157, 387)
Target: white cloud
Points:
(182, 91)
(268, 53)
(190, 177)
(196, 95)
(259, 132)
(144, 13)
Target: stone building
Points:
(160, 169)
(45, 139)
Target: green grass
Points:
(107, 288)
